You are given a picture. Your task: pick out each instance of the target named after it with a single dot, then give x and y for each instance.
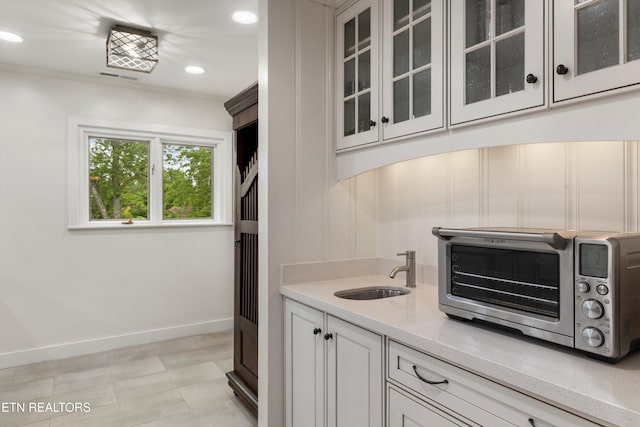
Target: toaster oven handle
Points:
(552, 239)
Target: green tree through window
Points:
(118, 179)
(187, 186)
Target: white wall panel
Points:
(435, 184)
(600, 185)
(464, 172)
(365, 215)
(545, 185)
(502, 195)
(590, 185)
(386, 211)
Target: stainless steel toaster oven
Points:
(579, 289)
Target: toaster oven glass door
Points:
(523, 280)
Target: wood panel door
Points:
(244, 377)
(246, 274)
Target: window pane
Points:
(400, 13)
(401, 100)
(422, 44)
(509, 15)
(478, 75)
(510, 65)
(349, 77)
(186, 181)
(421, 8)
(478, 21)
(350, 38)
(364, 71)
(364, 29)
(633, 30)
(364, 112)
(598, 39)
(118, 181)
(422, 93)
(350, 117)
(401, 53)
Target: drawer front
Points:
(406, 411)
(468, 394)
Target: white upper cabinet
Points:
(412, 67)
(357, 75)
(596, 46)
(412, 90)
(497, 57)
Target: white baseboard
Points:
(61, 351)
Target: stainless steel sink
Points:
(372, 292)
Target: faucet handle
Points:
(408, 254)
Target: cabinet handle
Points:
(532, 422)
(372, 123)
(384, 119)
(316, 331)
(531, 78)
(562, 70)
(415, 369)
(327, 337)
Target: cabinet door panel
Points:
(305, 363)
(598, 42)
(357, 75)
(495, 45)
(354, 376)
(413, 64)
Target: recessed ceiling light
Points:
(10, 37)
(244, 17)
(194, 69)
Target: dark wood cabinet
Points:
(244, 377)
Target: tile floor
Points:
(179, 382)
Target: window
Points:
(147, 175)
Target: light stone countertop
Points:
(562, 377)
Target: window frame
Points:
(80, 130)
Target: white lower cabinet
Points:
(466, 398)
(334, 378)
(334, 371)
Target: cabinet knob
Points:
(562, 70)
(531, 78)
(532, 422)
(372, 123)
(316, 331)
(384, 119)
(327, 337)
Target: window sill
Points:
(118, 225)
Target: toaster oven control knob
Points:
(583, 287)
(592, 337)
(592, 309)
(602, 289)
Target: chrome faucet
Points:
(409, 268)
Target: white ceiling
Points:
(70, 36)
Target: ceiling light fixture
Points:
(10, 37)
(194, 69)
(244, 17)
(132, 49)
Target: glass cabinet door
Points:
(497, 57)
(596, 46)
(357, 70)
(413, 49)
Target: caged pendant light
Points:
(132, 49)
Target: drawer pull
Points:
(415, 369)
